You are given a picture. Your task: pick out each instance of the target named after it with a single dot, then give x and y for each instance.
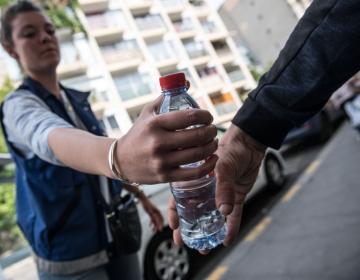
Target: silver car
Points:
(160, 258)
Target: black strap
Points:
(60, 223)
(108, 208)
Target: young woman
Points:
(58, 147)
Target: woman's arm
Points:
(151, 152)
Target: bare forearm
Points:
(81, 150)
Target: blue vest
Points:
(44, 190)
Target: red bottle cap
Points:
(172, 81)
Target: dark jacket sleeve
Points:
(322, 52)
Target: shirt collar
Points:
(38, 89)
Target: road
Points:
(297, 158)
(312, 233)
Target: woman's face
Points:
(35, 45)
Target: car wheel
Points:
(166, 261)
(274, 172)
(326, 128)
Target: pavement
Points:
(314, 231)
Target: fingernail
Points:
(225, 208)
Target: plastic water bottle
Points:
(202, 225)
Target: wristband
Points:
(115, 170)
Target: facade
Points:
(262, 26)
(130, 43)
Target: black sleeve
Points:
(322, 53)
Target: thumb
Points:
(153, 107)
(225, 195)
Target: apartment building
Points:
(130, 43)
(263, 26)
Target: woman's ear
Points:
(11, 51)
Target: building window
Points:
(121, 51)
(162, 50)
(69, 53)
(133, 85)
(183, 24)
(194, 48)
(223, 103)
(112, 122)
(105, 20)
(148, 21)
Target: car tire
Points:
(164, 260)
(274, 172)
(326, 128)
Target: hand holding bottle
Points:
(157, 145)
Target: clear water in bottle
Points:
(202, 225)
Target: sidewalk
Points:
(314, 231)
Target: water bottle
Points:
(202, 225)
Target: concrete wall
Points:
(263, 25)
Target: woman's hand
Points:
(156, 219)
(157, 145)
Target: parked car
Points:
(320, 127)
(159, 256)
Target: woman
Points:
(57, 143)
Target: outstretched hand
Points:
(239, 161)
(157, 145)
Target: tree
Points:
(6, 87)
(10, 235)
(60, 12)
(4, 3)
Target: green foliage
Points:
(61, 13)
(6, 87)
(4, 3)
(10, 235)
(256, 73)
(64, 18)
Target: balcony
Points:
(134, 91)
(223, 51)
(71, 64)
(108, 35)
(235, 74)
(150, 26)
(164, 55)
(224, 103)
(184, 28)
(76, 68)
(140, 100)
(139, 7)
(64, 34)
(174, 7)
(212, 30)
(121, 66)
(122, 56)
(211, 81)
(202, 10)
(133, 85)
(196, 51)
(107, 27)
(93, 6)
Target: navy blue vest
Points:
(44, 190)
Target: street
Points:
(297, 158)
(311, 232)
